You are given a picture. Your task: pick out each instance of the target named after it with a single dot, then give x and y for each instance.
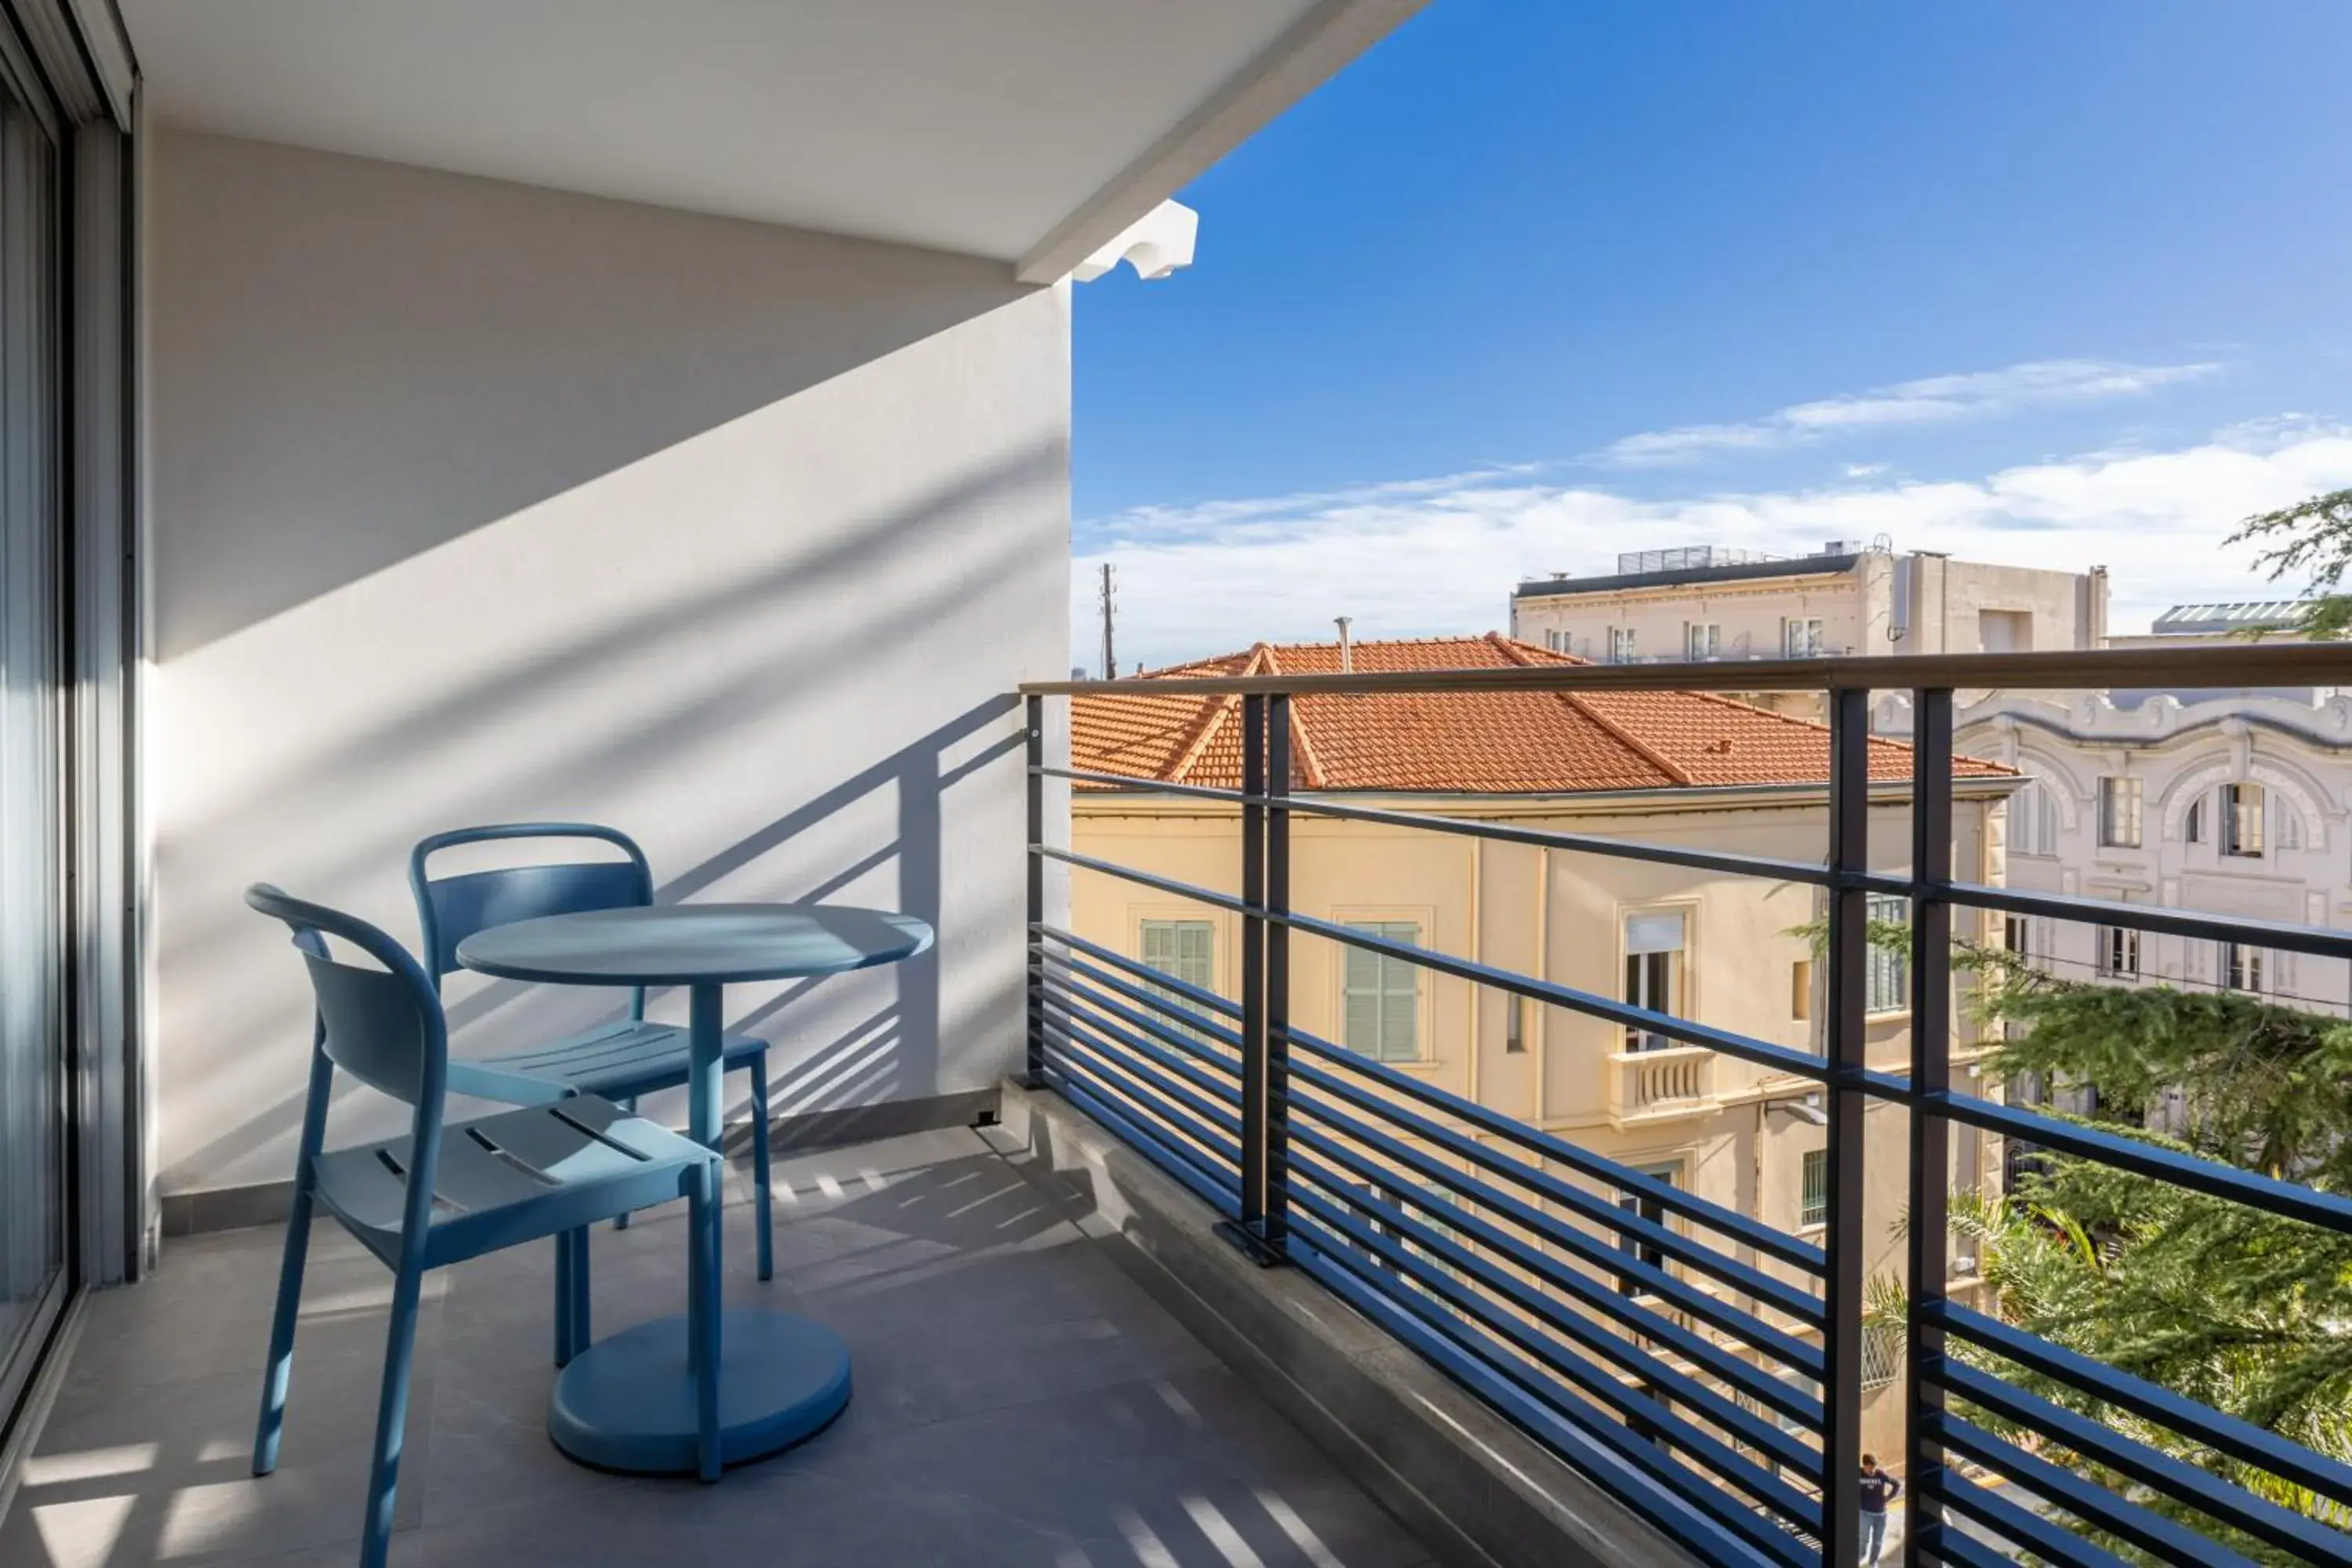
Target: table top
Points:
(694, 944)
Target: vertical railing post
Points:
(1931, 1076)
(1252, 1217)
(1033, 717)
(1274, 1230)
(1849, 978)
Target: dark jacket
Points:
(1878, 1489)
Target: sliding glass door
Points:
(34, 1192)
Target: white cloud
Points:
(1931, 400)
(1441, 556)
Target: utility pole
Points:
(1109, 605)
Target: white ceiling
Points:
(981, 126)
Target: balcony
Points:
(1660, 1085)
(1020, 1400)
(1207, 1288)
(705, 468)
(1714, 1367)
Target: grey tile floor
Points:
(1019, 1400)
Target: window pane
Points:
(2119, 812)
(2241, 819)
(1813, 1205)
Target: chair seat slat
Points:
(621, 1061)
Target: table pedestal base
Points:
(627, 1403)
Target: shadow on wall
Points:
(475, 502)
(574, 336)
(890, 1053)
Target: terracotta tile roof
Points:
(1517, 743)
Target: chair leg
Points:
(277, 1373)
(702, 1330)
(562, 1301)
(760, 1165)
(629, 1105)
(390, 1416)
(583, 1335)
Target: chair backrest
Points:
(383, 1027)
(451, 909)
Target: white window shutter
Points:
(1657, 933)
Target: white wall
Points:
(472, 502)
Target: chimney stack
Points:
(1347, 649)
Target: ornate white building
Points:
(2236, 803)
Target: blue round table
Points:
(628, 1402)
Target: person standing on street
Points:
(1878, 1489)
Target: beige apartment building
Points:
(1706, 603)
(1667, 767)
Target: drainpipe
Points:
(1347, 649)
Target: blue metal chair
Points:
(619, 1061)
(444, 1193)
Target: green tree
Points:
(2245, 1312)
(2313, 537)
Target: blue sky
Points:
(1535, 281)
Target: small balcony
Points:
(1711, 1345)
(426, 424)
(1660, 1085)
(1020, 1399)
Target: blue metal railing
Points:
(1704, 1366)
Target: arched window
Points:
(2034, 820)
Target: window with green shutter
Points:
(1889, 990)
(1814, 1205)
(1381, 995)
(1186, 952)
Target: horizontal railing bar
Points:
(1703, 1518)
(1954, 1549)
(2206, 667)
(1594, 1294)
(1216, 1132)
(1225, 901)
(2183, 1482)
(1077, 1014)
(2241, 1441)
(1635, 1408)
(2049, 1541)
(1142, 785)
(1081, 979)
(1143, 971)
(2087, 1500)
(1615, 1259)
(1607, 1354)
(1811, 873)
(1675, 1200)
(1172, 1122)
(1624, 1015)
(1134, 1071)
(1212, 1187)
(2285, 935)
(2330, 1211)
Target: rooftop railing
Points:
(1708, 1368)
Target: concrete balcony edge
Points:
(1474, 1488)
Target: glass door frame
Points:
(67, 65)
(38, 269)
